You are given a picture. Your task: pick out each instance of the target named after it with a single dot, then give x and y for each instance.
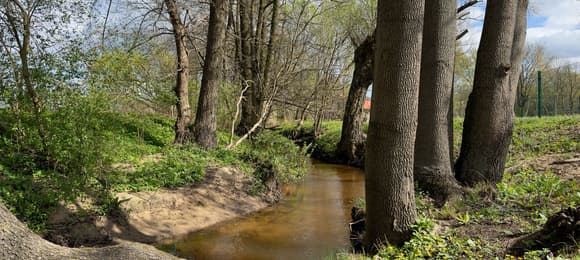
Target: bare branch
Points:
(238, 108)
(467, 5)
(460, 35)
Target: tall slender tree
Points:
(390, 196)
(488, 125)
(249, 115)
(432, 162)
(204, 128)
(182, 133)
(19, 19)
(257, 43)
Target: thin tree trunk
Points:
(489, 114)
(204, 128)
(390, 196)
(271, 42)
(24, 49)
(182, 133)
(350, 146)
(249, 110)
(518, 49)
(432, 163)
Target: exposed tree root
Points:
(560, 231)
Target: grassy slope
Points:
(121, 152)
(483, 223)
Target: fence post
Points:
(539, 93)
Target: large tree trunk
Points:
(204, 128)
(489, 114)
(351, 145)
(182, 133)
(18, 242)
(432, 163)
(390, 196)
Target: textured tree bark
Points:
(351, 145)
(249, 107)
(257, 50)
(390, 197)
(432, 162)
(518, 48)
(489, 114)
(271, 42)
(18, 242)
(182, 133)
(204, 128)
(350, 148)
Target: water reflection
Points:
(311, 222)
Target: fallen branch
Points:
(238, 108)
(263, 116)
(560, 231)
(573, 160)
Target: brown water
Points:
(311, 222)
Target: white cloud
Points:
(559, 33)
(563, 14)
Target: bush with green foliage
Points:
(521, 203)
(427, 244)
(91, 150)
(269, 151)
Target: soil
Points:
(504, 233)
(18, 242)
(163, 215)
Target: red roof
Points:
(367, 105)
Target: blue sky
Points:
(552, 23)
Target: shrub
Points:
(271, 151)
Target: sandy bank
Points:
(166, 214)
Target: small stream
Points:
(311, 222)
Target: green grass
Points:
(531, 137)
(95, 152)
(521, 203)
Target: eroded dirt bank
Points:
(167, 214)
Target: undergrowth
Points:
(91, 151)
(479, 225)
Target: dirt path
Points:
(168, 214)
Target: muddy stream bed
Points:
(311, 222)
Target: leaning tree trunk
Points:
(350, 146)
(18, 242)
(390, 196)
(432, 162)
(204, 128)
(489, 115)
(182, 133)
